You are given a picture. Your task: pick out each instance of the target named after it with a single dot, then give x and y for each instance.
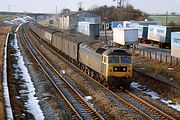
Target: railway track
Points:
(145, 110)
(76, 104)
(151, 111)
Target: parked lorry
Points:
(158, 34)
(125, 36)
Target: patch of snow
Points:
(18, 97)
(88, 99)
(19, 20)
(170, 68)
(27, 88)
(135, 85)
(171, 104)
(155, 95)
(62, 72)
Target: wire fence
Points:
(161, 57)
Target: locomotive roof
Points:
(102, 48)
(116, 51)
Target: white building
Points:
(70, 20)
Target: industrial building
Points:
(69, 20)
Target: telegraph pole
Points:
(105, 27)
(105, 21)
(166, 17)
(56, 9)
(9, 8)
(80, 6)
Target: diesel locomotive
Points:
(110, 66)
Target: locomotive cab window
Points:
(104, 59)
(113, 59)
(126, 60)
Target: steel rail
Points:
(150, 106)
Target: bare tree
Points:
(120, 3)
(65, 10)
(113, 13)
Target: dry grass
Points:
(158, 68)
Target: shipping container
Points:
(120, 24)
(145, 23)
(142, 30)
(161, 34)
(125, 36)
(89, 28)
(175, 44)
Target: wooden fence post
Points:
(160, 57)
(155, 56)
(177, 61)
(143, 53)
(171, 60)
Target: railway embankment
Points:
(160, 77)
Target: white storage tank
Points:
(125, 36)
(175, 44)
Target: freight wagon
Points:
(161, 35)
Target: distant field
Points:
(162, 19)
(3, 16)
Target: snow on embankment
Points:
(27, 91)
(155, 96)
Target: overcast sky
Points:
(49, 6)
